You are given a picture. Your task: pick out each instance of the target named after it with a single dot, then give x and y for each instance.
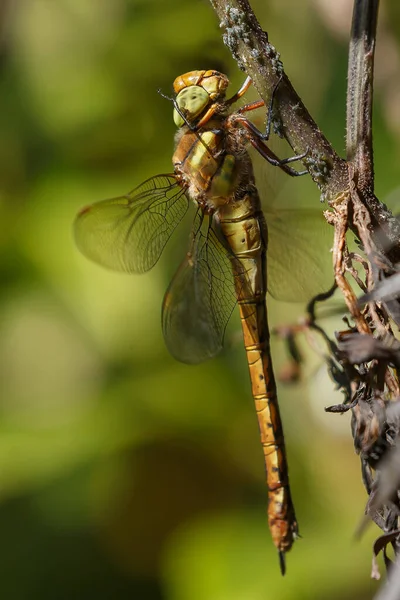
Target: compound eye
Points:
(191, 102)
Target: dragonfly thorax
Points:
(205, 165)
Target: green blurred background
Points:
(124, 474)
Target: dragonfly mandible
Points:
(227, 257)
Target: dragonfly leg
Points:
(265, 136)
(251, 106)
(269, 113)
(255, 138)
(258, 138)
(205, 118)
(240, 92)
(259, 104)
(271, 157)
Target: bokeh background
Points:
(124, 474)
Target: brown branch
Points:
(250, 47)
(359, 124)
(360, 89)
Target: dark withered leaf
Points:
(386, 486)
(360, 348)
(338, 408)
(393, 308)
(382, 541)
(381, 544)
(388, 289)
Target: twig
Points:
(250, 47)
(359, 123)
(360, 89)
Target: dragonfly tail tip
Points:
(282, 562)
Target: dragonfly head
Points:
(195, 91)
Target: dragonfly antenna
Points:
(178, 110)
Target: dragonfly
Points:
(226, 262)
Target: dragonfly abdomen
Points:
(281, 515)
(245, 232)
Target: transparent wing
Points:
(299, 260)
(128, 233)
(200, 299)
